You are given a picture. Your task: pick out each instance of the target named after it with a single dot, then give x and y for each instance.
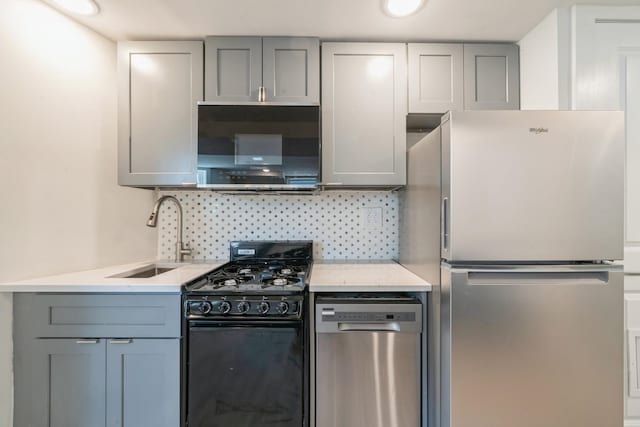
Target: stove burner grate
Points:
(269, 275)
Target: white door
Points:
(607, 76)
(630, 83)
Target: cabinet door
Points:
(233, 69)
(160, 84)
(67, 382)
(364, 107)
(491, 77)
(143, 382)
(435, 77)
(291, 69)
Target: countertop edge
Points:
(92, 289)
(370, 288)
(98, 280)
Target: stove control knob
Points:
(283, 307)
(263, 307)
(244, 307)
(205, 307)
(224, 307)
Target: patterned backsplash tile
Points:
(343, 224)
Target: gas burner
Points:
(287, 269)
(272, 268)
(242, 269)
(216, 282)
(280, 281)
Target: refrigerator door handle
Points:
(445, 223)
(524, 278)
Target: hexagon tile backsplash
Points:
(343, 225)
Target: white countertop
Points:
(384, 276)
(99, 280)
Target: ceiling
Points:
(446, 20)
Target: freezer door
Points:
(532, 186)
(532, 347)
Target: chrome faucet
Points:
(181, 249)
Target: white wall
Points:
(61, 209)
(545, 63)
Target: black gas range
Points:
(247, 361)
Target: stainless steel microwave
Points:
(253, 147)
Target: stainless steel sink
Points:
(145, 271)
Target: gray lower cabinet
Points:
(67, 384)
(491, 77)
(93, 380)
(159, 85)
(257, 69)
(364, 107)
(143, 382)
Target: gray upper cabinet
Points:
(159, 86)
(491, 77)
(364, 104)
(435, 77)
(255, 69)
(233, 69)
(291, 69)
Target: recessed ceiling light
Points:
(80, 7)
(401, 8)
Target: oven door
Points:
(246, 374)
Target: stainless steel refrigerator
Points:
(515, 217)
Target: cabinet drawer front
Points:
(91, 315)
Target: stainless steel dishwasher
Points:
(368, 361)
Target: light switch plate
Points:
(371, 217)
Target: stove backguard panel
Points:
(342, 224)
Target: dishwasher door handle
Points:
(369, 327)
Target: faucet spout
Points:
(181, 249)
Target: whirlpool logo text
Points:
(538, 131)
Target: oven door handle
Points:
(197, 325)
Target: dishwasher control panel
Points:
(329, 314)
(336, 315)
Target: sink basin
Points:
(145, 271)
